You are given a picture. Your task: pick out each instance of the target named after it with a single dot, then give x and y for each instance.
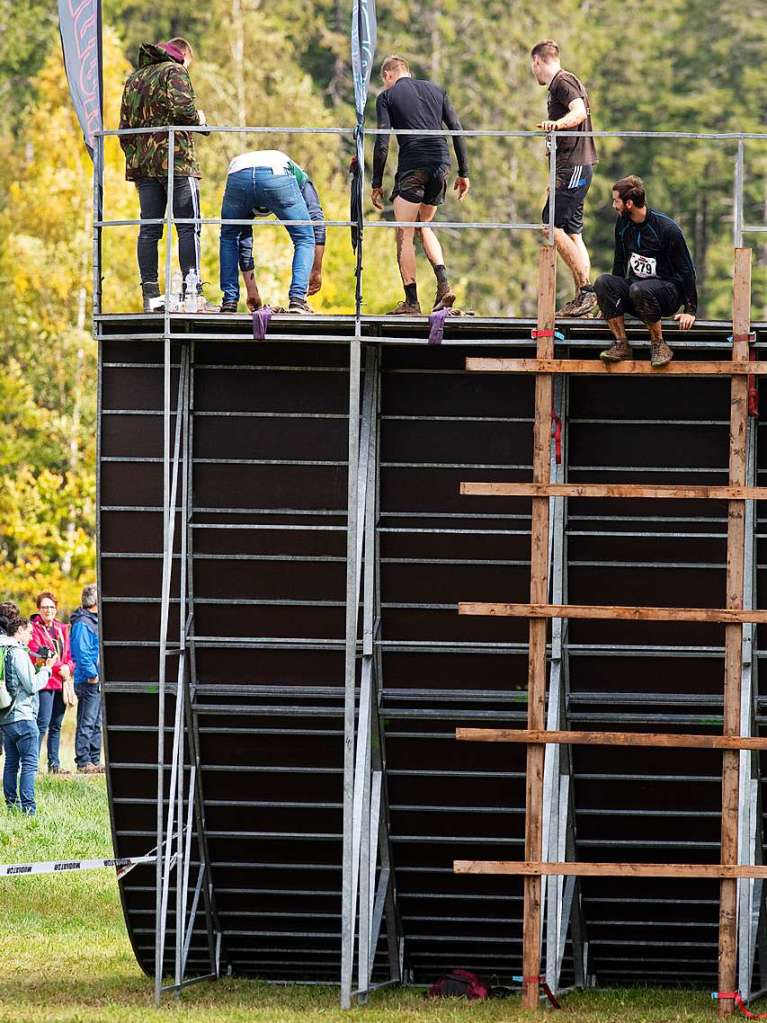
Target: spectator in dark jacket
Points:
(85, 654)
(51, 634)
(19, 722)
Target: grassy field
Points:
(65, 955)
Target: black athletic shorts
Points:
(572, 185)
(423, 184)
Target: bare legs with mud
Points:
(406, 259)
(573, 251)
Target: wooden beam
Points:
(733, 638)
(539, 592)
(619, 490)
(608, 612)
(657, 739)
(592, 367)
(525, 868)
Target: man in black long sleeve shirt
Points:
(420, 182)
(653, 274)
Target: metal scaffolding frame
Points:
(369, 896)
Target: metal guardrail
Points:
(99, 224)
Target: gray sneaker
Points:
(301, 306)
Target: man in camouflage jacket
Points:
(160, 93)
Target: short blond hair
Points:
(394, 63)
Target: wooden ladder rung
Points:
(530, 736)
(619, 490)
(630, 368)
(608, 612)
(526, 868)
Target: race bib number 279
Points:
(643, 266)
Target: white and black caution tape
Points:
(123, 866)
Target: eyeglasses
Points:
(47, 607)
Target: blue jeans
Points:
(280, 194)
(88, 734)
(49, 719)
(21, 740)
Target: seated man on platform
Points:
(653, 274)
(259, 183)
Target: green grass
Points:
(65, 955)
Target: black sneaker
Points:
(228, 307)
(154, 302)
(301, 306)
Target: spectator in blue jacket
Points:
(85, 654)
(19, 722)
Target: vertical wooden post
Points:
(733, 649)
(539, 592)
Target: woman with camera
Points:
(51, 637)
(19, 721)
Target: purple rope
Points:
(437, 325)
(261, 319)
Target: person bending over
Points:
(420, 182)
(259, 183)
(653, 274)
(568, 109)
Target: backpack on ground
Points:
(458, 984)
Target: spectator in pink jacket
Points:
(49, 633)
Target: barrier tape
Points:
(123, 866)
(544, 987)
(736, 997)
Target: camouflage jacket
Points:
(159, 92)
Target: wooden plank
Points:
(592, 367)
(656, 739)
(539, 592)
(525, 868)
(733, 639)
(609, 612)
(618, 490)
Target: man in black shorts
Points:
(568, 109)
(420, 183)
(653, 274)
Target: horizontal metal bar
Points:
(733, 136)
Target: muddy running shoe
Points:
(617, 351)
(583, 305)
(300, 305)
(444, 298)
(228, 307)
(660, 354)
(88, 769)
(406, 309)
